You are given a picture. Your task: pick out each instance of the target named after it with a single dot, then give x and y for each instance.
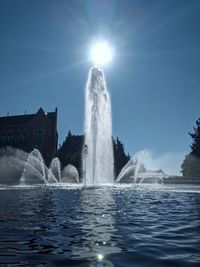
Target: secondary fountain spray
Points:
(98, 163)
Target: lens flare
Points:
(101, 53)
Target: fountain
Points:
(98, 163)
(12, 163)
(135, 172)
(97, 152)
(54, 174)
(70, 174)
(19, 168)
(34, 171)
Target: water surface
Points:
(122, 226)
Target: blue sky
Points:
(153, 80)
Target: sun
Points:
(101, 53)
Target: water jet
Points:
(98, 163)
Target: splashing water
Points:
(19, 168)
(135, 172)
(98, 163)
(54, 174)
(70, 174)
(34, 169)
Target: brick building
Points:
(31, 131)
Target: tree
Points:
(190, 167)
(120, 157)
(195, 146)
(71, 150)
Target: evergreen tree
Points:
(71, 150)
(120, 157)
(191, 167)
(195, 146)
(191, 164)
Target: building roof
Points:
(16, 120)
(25, 119)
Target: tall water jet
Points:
(98, 163)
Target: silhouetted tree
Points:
(70, 151)
(191, 164)
(195, 146)
(191, 167)
(120, 157)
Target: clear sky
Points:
(153, 80)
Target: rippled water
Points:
(120, 226)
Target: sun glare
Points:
(101, 53)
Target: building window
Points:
(39, 138)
